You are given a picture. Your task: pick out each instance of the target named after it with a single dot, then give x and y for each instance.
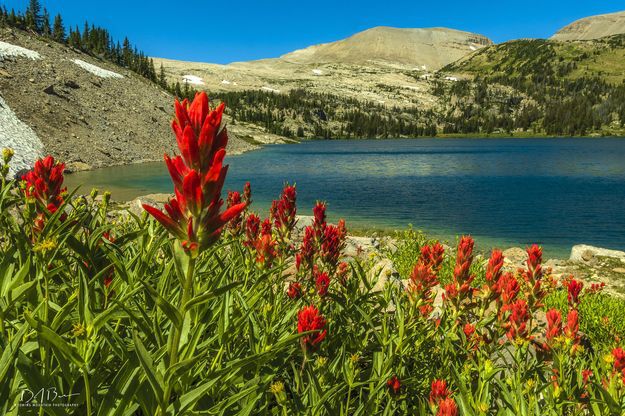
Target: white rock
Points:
(582, 252)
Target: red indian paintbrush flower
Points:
(554, 324)
(322, 282)
(265, 247)
(193, 215)
(517, 323)
(572, 326)
(462, 275)
(294, 291)
(309, 319)
(495, 263)
(332, 244)
(574, 289)
(284, 211)
(319, 222)
(422, 281)
(468, 330)
(394, 385)
(618, 354)
(44, 183)
(307, 249)
(235, 224)
(439, 391)
(534, 260)
(432, 255)
(252, 229)
(447, 407)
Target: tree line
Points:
(93, 40)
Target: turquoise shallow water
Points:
(505, 192)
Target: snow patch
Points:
(270, 89)
(16, 135)
(473, 48)
(451, 79)
(6, 50)
(226, 82)
(96, 70)
(192, 79)
(317, 71)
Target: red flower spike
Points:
(534, 260)
(394, 385)
(517, 324)
(618, 354)
(554, 324)
(294, 291)
(572, 326)
(439, 391)
(322, 283)
(422, 281)
(495, 263)
(193, 216)
(44, 184)
(309, 319)
(574, 288)
(468, 330)
(432, 255)
(447, 407)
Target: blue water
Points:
(505, 192)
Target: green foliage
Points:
(602, 316)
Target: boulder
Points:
(382, 272)
(515, 256)
(585, 253)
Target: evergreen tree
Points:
(58, 30)
(161, 77)
(45, 24)
(33, 16)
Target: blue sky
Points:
(227, 31)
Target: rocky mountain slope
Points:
(593, 27)
(83, 110)
(427, 49)
(383, 65)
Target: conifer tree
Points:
(33, 16)
(58, 30)
(45, 24)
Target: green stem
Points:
(87, 391)
(187, 292)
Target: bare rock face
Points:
(428, 48)
(593, 27)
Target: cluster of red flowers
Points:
(460, 287)
(194, 215)
(440, 399)
(44, 185)
(309, 319)
(322, 241)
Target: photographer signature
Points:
(45, 397)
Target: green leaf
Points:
(9, 353)
(154, 377)
(201, 299)
(59, 344)
(168, 309)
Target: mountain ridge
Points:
(593, 27)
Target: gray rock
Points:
(585, 253)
